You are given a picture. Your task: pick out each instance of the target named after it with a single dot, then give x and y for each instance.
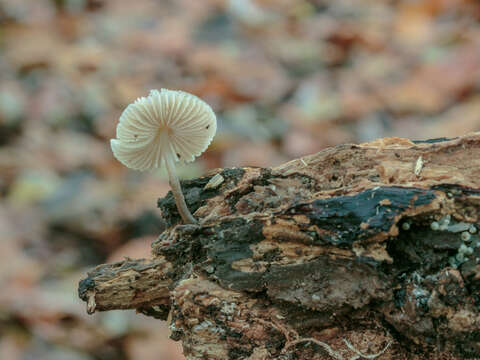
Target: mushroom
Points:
(161, 129)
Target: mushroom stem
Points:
(177, 192)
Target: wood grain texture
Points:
(340, 245)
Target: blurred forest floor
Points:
(286, 78)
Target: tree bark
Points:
(358, 250)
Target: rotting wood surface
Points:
(336, 254)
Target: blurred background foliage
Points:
(286, 78)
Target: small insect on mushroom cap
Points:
(166, 123)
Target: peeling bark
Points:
(334, 255)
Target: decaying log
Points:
(326, 257)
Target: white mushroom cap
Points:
(166, 123)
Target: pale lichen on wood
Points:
(358, 243)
